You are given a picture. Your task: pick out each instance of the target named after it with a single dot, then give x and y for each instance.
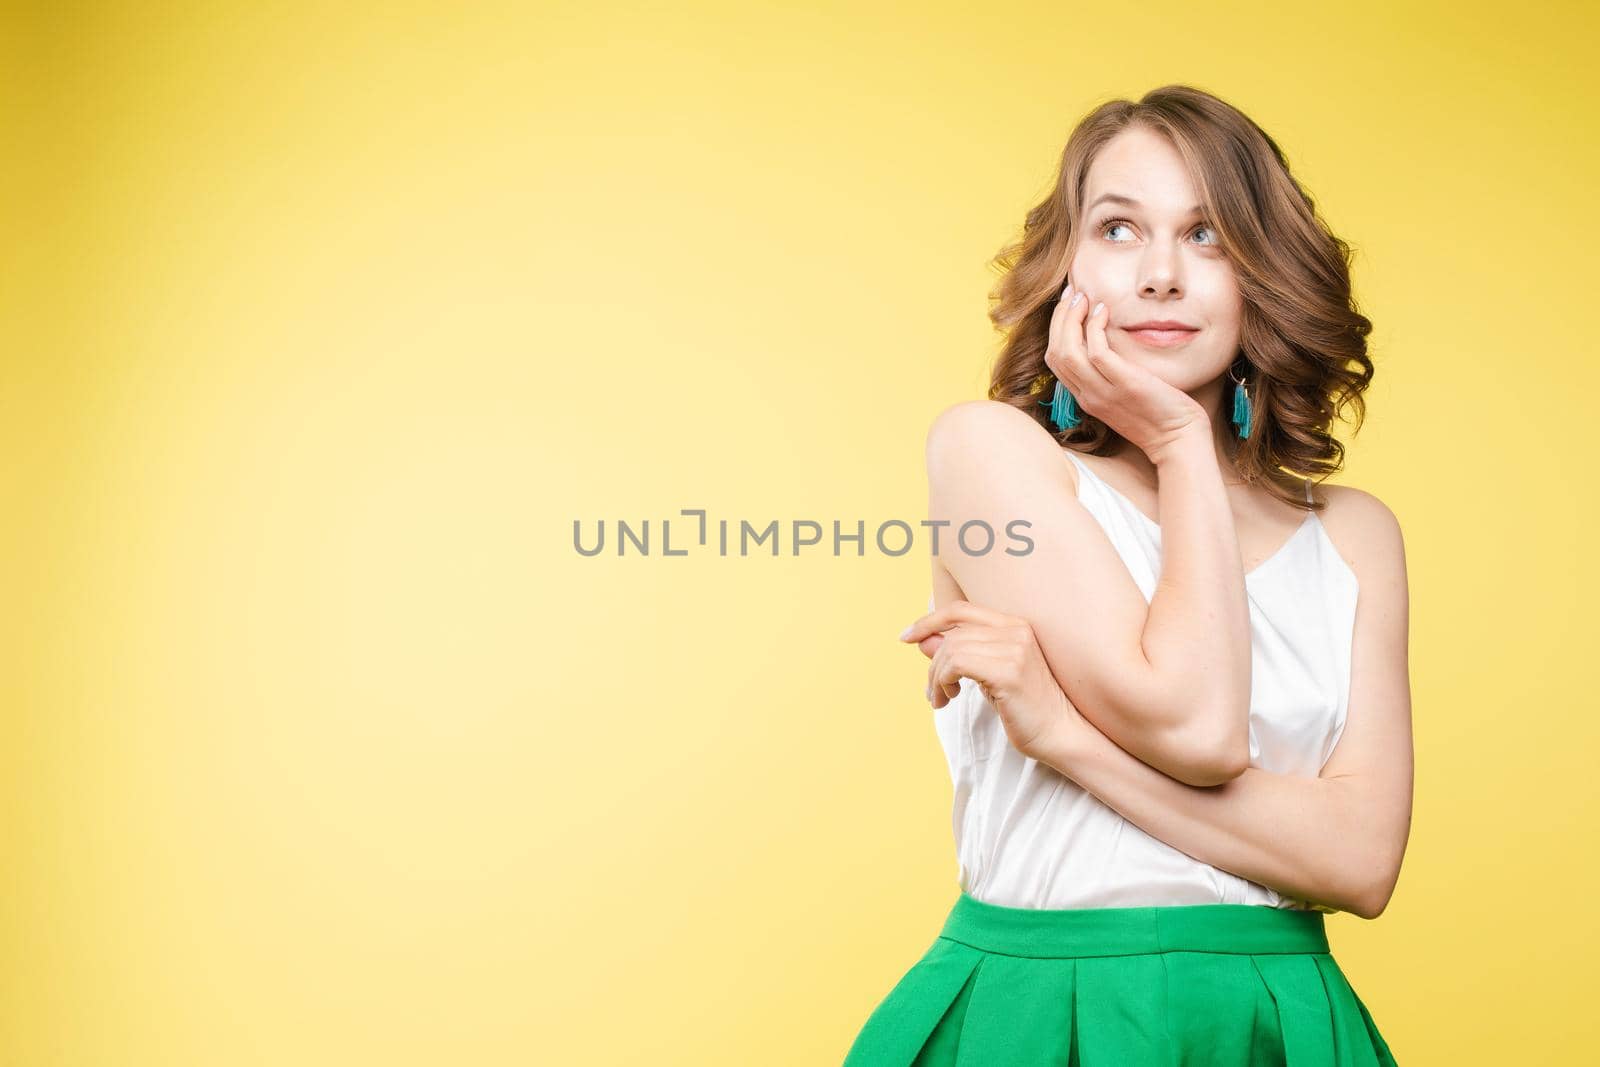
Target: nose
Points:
(1160, 271)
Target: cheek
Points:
(1221, 298)
(1090, 271)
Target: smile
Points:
(1161, 338)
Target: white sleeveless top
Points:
(1028, 837)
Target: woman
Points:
(1179, 724)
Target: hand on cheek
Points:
(1079, 287)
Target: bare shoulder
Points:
(989, 418)
(984, 455)
(977, 434)
(1365, 531)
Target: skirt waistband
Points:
(1250, 929)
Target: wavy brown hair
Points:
(1303, 344)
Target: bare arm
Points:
(1337, 839)
(1168, 680)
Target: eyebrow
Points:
(1118, 198)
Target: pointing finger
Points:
(952, 614)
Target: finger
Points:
(1065, 307)
(1080, 372)
(941, 692)
(1063, 350)
(953, 614)
(942, 695)
(941, 687)
(987, 667)
(970, 632)
(1091, 372)
(993, 646)
(1099, 352)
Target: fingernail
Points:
(906, 632)
(1076, 297)
(1097, 306)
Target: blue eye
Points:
(1104, 226)
(1111, 224)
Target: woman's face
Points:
(1149, 257)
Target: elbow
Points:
(1207, 759)
(1369, 905)
(1233, 762)
(1209, 746)
(1370, 899)
(1230, 746)
(1221, 768)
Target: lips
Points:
(1166, 334)
(1164, 324)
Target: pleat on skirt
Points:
(1180, 986)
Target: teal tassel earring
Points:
(1241, 406)
(1064, 410)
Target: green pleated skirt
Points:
(1182, 986)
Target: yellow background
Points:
(321, 744)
